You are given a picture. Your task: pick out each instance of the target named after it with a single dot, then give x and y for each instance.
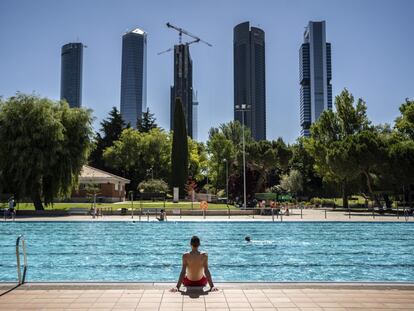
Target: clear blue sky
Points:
(372, 52)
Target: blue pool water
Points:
(290, 251)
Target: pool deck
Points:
(295, 215)
(231, 297)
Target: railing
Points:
(278, 213)
(21, 276)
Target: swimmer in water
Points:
(247, 239)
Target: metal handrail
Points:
(21, 277)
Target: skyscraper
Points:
(71, 74)
(315, 75)
(195, 116)
(249, 78)
(134, 76)
(183, 85)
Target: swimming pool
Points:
(151, 251)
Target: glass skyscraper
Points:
(134, 76)
(315, 74)
(71, 74)
(183, 85)
(249, 78)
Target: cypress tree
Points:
(179, 152)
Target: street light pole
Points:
(243, 108)
(227, 181)
(207, 185)
(244, 164)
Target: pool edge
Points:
(243, 285)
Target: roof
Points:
(90, 174)
(137, 31)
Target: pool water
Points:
(151, 251)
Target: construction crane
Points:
(182, 31)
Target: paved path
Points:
(230, 297)
(307, 215)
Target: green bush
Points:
(153, 186)
(316, 201)
(327, 202)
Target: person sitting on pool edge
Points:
(163, 215)
(194, 271)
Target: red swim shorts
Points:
(201, 282)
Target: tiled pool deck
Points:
(232, 297)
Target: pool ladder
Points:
(21, 244)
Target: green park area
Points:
(45, 144)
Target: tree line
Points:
(45, 143)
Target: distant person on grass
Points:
(194, 272)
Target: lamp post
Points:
(207, 186)
(243, 108)
(227, 180)
(94, 204)
(131, 196)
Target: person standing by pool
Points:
(194, 271)
(12, 205)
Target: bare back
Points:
(195, 263)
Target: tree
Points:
(233, 131)
(44, 146)
(220, 148)
(190, 188)
(265, 160)
(367, 151)
(236, 184)
(153, 186)
(147, 122)
(266, 157)
(329, 141)
(401, 166)
(405, 123)
(225, 142)
(401, 150)
(303, 162)
(110, 131)
(179, 150)
(135, 153)
(292, 182)
(198, 160)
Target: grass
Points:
(137, 205)
(358, 200)
(156, 204)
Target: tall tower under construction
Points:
(183, 85)
(183, 77)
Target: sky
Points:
(372, 52)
